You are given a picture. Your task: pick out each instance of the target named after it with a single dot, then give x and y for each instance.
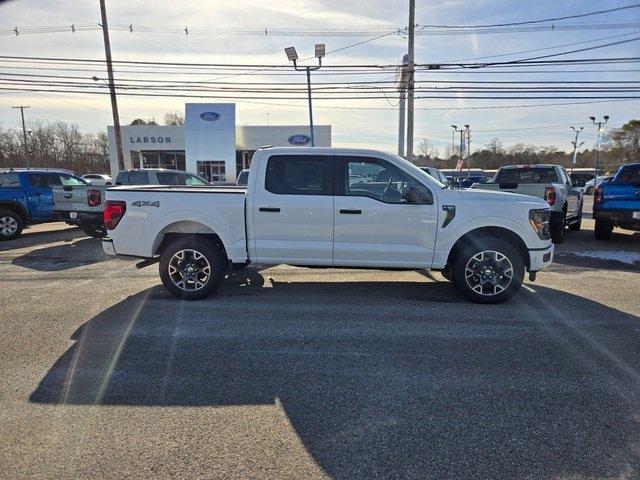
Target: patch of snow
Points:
(630, 258)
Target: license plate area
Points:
(635, 215)
(73, 215)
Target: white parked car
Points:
(98, 179)
(588, 186)
(300, 207)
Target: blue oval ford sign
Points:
(299, 139)
(209, 116)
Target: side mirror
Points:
(419, 196)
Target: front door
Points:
(293, 210)
(383, 215)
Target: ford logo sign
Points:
(209, 116)
(299, 139)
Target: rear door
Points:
(388, 219)
(293, 210)
(40, 194)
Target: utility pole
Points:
(468, 150)
(112, 87)
(599, 124)
(401, 76)
(24, 134)
(575, 147)
(411, 82)
(453, 141)
(292, 55)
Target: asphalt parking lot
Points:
(312, 373)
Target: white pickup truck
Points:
(333, 208)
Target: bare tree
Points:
(173, 118)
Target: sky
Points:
(369, 123)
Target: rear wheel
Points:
(488, 271)
(603, 229)
(11, 224)
(577, 225)
(95, 231)
(192, 268)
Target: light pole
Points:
(576, 146)
(453, 140)
(462, 133)
(599, 124)
(292, 55)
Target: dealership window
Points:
(243, 159)
(173, 160)
(212, 171)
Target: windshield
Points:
(419, 173)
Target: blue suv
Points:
(26, 198)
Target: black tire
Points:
(206, 253)
(476, 256)
(589, 191)
(95, 231)
(11, 224)
(604, 229)
(577, 225)
(557, 228)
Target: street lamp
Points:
(599, 124)
(462, 132)
(453, 140)
(292, 55)
(576, 145)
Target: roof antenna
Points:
(73, 28)
(131, 28)
(186, 31)
(15, 30)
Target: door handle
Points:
(269, 209)
(353, 212)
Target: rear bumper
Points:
(107, 246)
(620, 218)
(93, 218)
(540, 259)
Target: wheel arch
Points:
(475, 235)
(183, 228)
(17, 208)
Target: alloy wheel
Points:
(488, 272)
(189, 270)
(8, 226)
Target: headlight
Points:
(539, 220)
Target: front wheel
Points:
(10, 225)
(576, 225)
(589, 191)
(192, 268)
(489, 270)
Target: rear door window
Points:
(300, 175)
(9, 180)
(527, 175)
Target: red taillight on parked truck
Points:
(597, 195)
(550, 195)
(113, 212)
(93, 197)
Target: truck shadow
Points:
(375, 383)
(29, 239)
(63, 257)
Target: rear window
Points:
(178, 178)
(629, 175)
(138, 178)
(527, 175)
(299, 175)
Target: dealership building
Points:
(209, 143)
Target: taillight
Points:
(597, 195)
(113, 212)
(93, 197)
(550, 195)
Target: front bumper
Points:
(540, 259)
(107, 246)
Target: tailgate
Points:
(74, 199)
(621, 196)
(531, 189)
